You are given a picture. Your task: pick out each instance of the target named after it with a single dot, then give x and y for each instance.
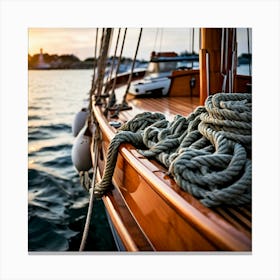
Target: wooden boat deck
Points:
(170, 106)
(225, 228)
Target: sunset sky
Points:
(81, 41)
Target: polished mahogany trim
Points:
(122, 220)
(217, 229)
(226, 236)
(121, 229)
(118, 224)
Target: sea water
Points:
(57, 204)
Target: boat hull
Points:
(166, 218)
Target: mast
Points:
(217, 58)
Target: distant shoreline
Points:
(47, 69)
(71, 62)
(44, 61)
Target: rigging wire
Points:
(93, 84)
(192, 49)
(155, 42)
(226, 49)
(190, 39)
(119, 61)
(124, 105)
(132, 67)
(228, 60)
(249, 52)
(102, 63)
(108, 78)
(112, 97)
(222, 51)
(233, 59)
(161, 35)
(114, 57)
(224, 58)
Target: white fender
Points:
(81, 156)
(79, 121)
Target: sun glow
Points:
(77, 41)
(81, 41)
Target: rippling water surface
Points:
(57, 204)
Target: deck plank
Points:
(168, 106)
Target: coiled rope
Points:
(207, 153)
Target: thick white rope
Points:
(207, 153)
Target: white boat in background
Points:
(156, 80)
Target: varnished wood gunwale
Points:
(185, 241)
(126, 237)
(212, 229)
(212, 226)
(133, 239)
(126, 224)
(166, 229)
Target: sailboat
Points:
(168, 176)
(156, 80)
